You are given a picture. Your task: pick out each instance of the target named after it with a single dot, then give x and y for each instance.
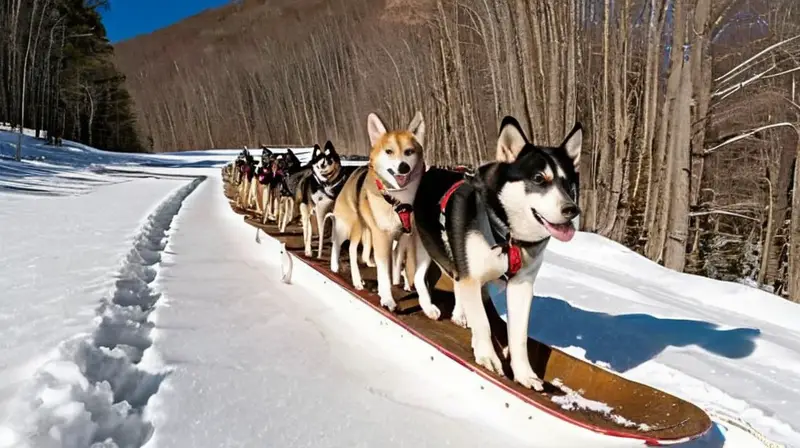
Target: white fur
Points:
(423, 260)
(519, 295)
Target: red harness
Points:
(513, 251)
(403, 210)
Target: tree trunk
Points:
(794, 249)
(678, 224)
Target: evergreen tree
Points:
(57, 74)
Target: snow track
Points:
(95, 389)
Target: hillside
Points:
(215, 73)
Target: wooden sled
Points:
(641, 415)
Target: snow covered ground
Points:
(135, 306)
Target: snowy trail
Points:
(240, 342)
(59, 258)
(96, 387)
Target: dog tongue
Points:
(401, 179)
(561, 232)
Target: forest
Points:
(57, 74)
(691, 106)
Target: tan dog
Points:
(374, 207)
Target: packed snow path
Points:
(96, 387)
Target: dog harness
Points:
(264, 175)
(403, 210)
(512, 250)
(331, 190)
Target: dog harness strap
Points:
(403, 210)
(447, 194)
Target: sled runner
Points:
(639, 414)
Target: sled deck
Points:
(641, 414)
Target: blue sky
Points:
(129, 18)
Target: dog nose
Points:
(403, 168)
(570, 211)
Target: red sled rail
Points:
(641, 414)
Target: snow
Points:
(136, 307)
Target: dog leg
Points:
(468, 290)
(423, 262)
(366, 240)
(411, 263)
(251, 194)
(355, 270)
(321, 212)
(340, 233)
(519, 296)
(267, 199)
(382, 244)
(398, 257)
(288, 213)
(306, 220)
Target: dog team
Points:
(493, 223)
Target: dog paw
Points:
(459, 317)
(308, 253)
(359, 285)
(432, 311)
(485, 356)
(388, 302)
(369, 262)
(524, 374)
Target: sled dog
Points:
(247, 172)
(283, 187)
(496, 224)
(318, 186)
(375, 205)
(263, 191)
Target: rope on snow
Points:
(724, 417)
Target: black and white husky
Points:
(495, 224)
(317, 190)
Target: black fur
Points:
(483, 187)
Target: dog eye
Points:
(389, 151)
(408, 152)
(538, 179)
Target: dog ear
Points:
(329, 149)
(375, 128)
(417, 127)
(315, 151)
(573, 145)
(511, 140)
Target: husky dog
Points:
(317, 189)
(247, 172)
(283, 187)
(496, 224)
(262, 186)
(374, 207)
